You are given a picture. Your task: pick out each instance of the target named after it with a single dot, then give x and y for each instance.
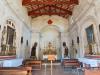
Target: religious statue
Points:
(65, 49)
(33, 51)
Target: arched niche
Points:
(89, 46)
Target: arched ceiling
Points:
(39, 23)
(62, 8)
(49, 31)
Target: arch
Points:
(88, 21)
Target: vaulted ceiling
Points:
(62, 8)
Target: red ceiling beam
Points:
(74, 1)
(38, 14)
(65, 10)
(38, 8)
(28, 2)
(69, 12)
(24, 2)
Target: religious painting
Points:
(8, 40)
(10, 35)
(90, 34)
(90, 38)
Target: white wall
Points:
(21, 27)
(78, 23)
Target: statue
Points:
(33, 51)
(65, 49)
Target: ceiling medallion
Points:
(50, 21)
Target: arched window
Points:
(8, 44)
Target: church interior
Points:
(49, 37)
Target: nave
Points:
(57, 70)
(38, 28)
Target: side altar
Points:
(49, 50)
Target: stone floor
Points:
(57, 70)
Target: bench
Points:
(35, 64)
(15, 71)
(71, 63)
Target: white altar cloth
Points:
(46, 57)
(92, 62)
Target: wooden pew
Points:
(15, 71)
(71, 63)
(35, 64)
(92, 72)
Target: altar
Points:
(49, 50)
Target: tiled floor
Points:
(57, 70)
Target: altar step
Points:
(56, 61)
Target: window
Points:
(90, 39)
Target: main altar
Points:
(49, 50)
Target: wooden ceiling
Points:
(62, 8)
